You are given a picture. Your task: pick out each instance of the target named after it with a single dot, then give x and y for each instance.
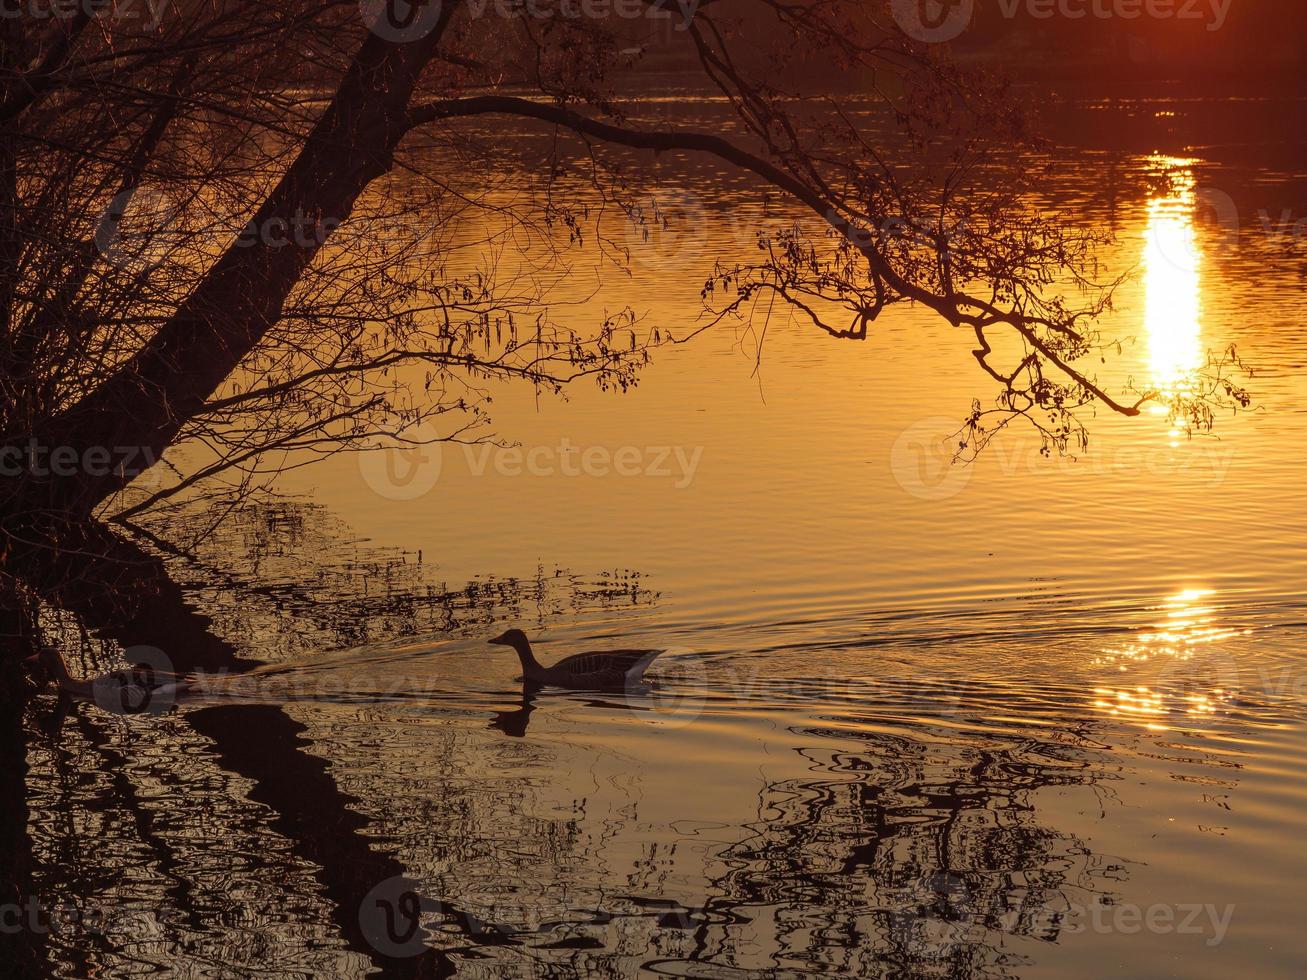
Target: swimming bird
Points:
(603, 670)
(128, 691)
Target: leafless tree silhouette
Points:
(251, 229)
(244, 227)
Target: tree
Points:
(235, 227)
(200, 209)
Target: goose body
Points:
(127, 691)
(598, 671)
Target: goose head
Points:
(518, 641)
(49, 661)
(511, 638)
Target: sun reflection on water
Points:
(1190, 676)
(1172, 292)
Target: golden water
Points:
(913, 717)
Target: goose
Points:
(128, 691)
(603, 670)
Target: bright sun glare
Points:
(1172, 265)
(1189, 675)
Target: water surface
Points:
(1001, 720)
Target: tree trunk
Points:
(122, 593)
(22, 947)
(146, 403)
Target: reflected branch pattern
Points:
(139, 780)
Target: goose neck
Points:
(54, 662)
(525, 654)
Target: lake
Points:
(1027, 717)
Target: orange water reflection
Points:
(1172, 288)
(1186, 673)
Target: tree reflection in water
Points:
(215, 837)
(895, 857)
(233, 835)
(912, 859)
